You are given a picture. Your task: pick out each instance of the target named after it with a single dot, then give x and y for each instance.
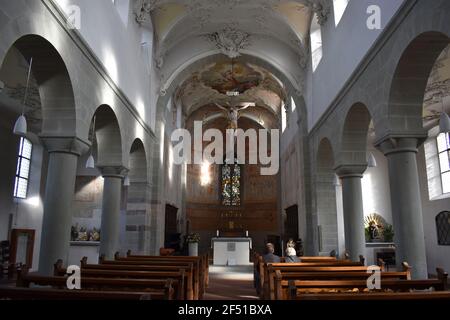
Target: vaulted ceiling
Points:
(238, 33)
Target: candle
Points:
(246, 233)
(217, 233)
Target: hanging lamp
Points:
(372, 162)
(21, 126)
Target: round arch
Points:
(407, 90)
(108, 137)
(353, 144)
(53, 82)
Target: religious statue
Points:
(83, 235)
(233, 114)
(373, 231)
(74, 233)
(94, 235)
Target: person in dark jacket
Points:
(270, 257)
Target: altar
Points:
(231, 251)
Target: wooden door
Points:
(171, 228)
(291, 224)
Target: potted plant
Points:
(193, 239)
(388, 233)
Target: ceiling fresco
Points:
(211, 85)
(224, 77)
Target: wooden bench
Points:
(299, 289)
(328, 273)
(158, 289)
(204, 262)
(182, 292)
(263, 270)
(159, 265)
(377, 296)
(200, 266)
(188, 268)
(18, 293)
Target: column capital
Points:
(61, 144)
(345, 171)
(392, 144)
(113, 171)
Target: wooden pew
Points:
(204, 262)
(181, 291)
(187, 267)
(328, 273)
(201, 265)
(263, 271)
(168, 261)
(158, 289)
(18, 293)
(318, 259)
(378, 296)
(299, 289)
(161, 264)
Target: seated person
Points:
(291, 255)
(270, 257)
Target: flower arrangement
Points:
(193, 238)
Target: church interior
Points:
(326, 123)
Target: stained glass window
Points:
(231, 185)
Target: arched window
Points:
(284, 119)
(316, 43)
(339, 9)
(443, 228)
(23, 169)
(443, 146)
(231, 184)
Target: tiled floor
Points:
(231, 283)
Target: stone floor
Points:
(231, 283)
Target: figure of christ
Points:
(234, 113)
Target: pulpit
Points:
(231, 251)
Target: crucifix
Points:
(234, 113)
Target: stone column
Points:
(406, 202)
(355, 239)
(59, 193)
(157, 187)
(110, 226)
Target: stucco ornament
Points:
(143, 10)
(230, 41)
(321, 8)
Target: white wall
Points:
(27, 213)
(376, 189)
(437, 256)
(118, 47)
(343, 49)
